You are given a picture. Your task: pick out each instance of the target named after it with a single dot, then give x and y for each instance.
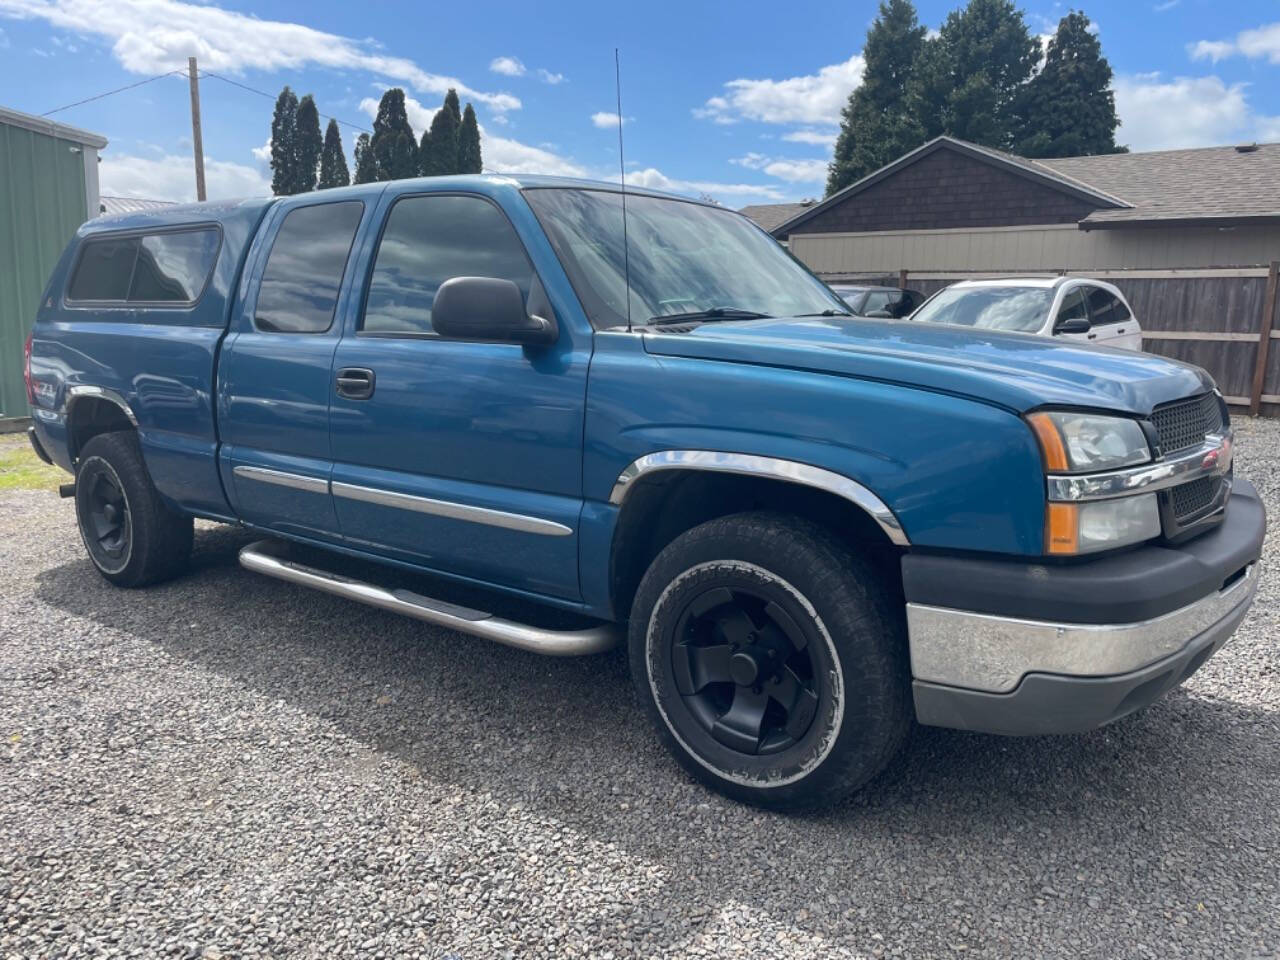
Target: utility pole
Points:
(197, 142)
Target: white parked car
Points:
(1073, 308)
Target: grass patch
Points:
(21, 469)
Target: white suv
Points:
(1072, 308)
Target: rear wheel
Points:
(769, 660)
(133, 537)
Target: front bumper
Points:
(1019, 648)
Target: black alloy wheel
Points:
(745, 670)
(108, 526)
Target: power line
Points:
(109, 93)
(272, 96)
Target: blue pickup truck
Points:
(810, 530)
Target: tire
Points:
(771, 661)
(132, 536)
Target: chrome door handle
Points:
(355, 383)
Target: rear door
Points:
(274, 381)
(463, 457)
(1113, 324)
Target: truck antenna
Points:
(622, 169)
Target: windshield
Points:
(1021, 309)
(684, 258)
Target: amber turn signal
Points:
(1055, 454)
(1062, 529)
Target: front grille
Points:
(1190, 498)
(1185, 423)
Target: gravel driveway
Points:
(230, 766)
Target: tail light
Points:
(26, 369)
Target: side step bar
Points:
(261, 557)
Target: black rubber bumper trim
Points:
(37, 447)
(1050, 704)
(1124, 588)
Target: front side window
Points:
(304, 271)
(161, 268)
(1018, 309)
(1073, 307)
(680, 257)
(1105, 307)
(429, 240)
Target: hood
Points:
(1018, 371)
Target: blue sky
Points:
(737, 100)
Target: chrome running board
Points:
(261, 557)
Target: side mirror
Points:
(487, 309)
(1072, 325)
(879, 315)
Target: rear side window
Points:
(429, 240)
(163, 268)
(304, 270)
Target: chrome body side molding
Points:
(455, 511)
(281, 478)
(751, 465)
(978, 651)
(264, 557)
(82, 390)
(1211, 458)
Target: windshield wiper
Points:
(715, 313)
(826, 313)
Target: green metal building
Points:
(48, 187)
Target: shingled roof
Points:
(770, 215)
(1209, 185)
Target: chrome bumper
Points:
(982, 652)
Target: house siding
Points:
(947, 190)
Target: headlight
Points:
(1087, 442)
(1074, 528)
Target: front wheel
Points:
(133, 537)
(769, 660)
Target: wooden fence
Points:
(1222, 319)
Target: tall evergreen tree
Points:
(968, 80)
(439, 154)
(1068, 108)
(284, 149)
(333, 163)
(366, 164)
(394, 148)
(469, 160)
(307, 146)
(876, 125)
(453, 106)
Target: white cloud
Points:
(172, 177)
(507, 66)
(4, 40)
(1214, 50)
(1165, 6)
(263, 153)
(820, 138)
(500, 119)
(151, 36)
(607, 121)
(546, 76)
(654, 179)
(500, 154)
(1158, 114)
(790, 170)
(1263, 41)
(811, 99)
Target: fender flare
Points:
(746, 464)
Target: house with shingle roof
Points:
(1190, 236)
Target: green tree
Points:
(453, 106)
(284, 150)
(307, 146)
(333, 163)
(968, 81)
(469, 160)
(395, 150)
(366, 165)
(439, 153)
(877, 126)
(1068, 108)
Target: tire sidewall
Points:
(98, 461)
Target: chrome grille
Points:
(1185, 423)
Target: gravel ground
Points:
(230, 766)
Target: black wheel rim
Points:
(745, 670)
(108, 523)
